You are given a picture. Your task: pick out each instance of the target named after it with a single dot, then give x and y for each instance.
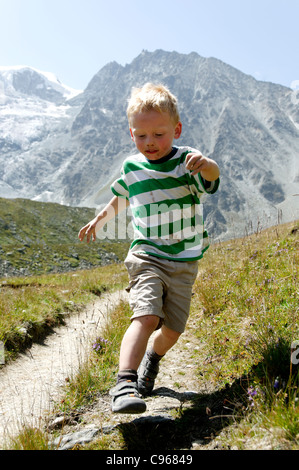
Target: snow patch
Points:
(8, 71)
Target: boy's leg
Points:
(135, 341)
(164, 339)
(125, 394)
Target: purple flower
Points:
(251, 393)
(276, 383)
(99, 344)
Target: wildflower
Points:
(276, 383)
(268, 281)
(100, 344)
(283, 250)
(254, 255)
(251, 392)
(96, 347)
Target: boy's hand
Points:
(89, 231)
(197, 163)
(113, 207)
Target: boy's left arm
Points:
(197, 163)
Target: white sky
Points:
(74, 39)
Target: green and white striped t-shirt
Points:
(165, 203)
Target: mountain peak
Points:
(30, 81)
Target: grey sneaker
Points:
(147, 373)
(126, 399)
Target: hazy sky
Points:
(74, 39)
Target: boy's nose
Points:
(149, 141)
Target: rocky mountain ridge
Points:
(68, 149)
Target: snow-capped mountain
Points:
(64, 146)
(33, 107)
(33, 82)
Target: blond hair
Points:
(153, 97)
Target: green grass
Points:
(245, 318)
(31, 306)
(246, 300)
(38, 238)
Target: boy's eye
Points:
(159, 135)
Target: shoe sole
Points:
(129, 406)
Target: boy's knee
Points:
(149, 322)
(170, 334)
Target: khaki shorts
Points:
(161, 287)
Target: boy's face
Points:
(153, 133)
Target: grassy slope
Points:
(37, 237)
(244, 317)
(245, 314)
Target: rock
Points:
(197, 445)
(59, 422)
(23, 330)
(69, 441)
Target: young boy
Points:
(163, 185)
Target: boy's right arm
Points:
(116, 205)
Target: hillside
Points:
(38, 237)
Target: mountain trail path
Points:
(32, 384)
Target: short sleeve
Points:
(199, 185)
(120, 188)
(210, 187)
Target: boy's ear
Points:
(132, 136)
(178, 130)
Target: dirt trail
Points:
(176, 388)
(31, 384)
